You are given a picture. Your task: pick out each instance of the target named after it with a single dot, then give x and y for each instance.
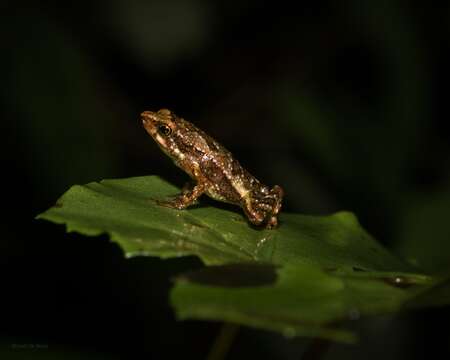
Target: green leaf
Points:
(126, 210)
(304, 300)
(298, 279)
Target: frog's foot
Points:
(177, 202)
(253, 215)
(259, 218)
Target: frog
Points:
(213, 170)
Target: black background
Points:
(344, 104)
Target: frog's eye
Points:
(164, 130)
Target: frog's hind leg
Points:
(272, 204)
(262, 208)
(253, 215)
(277, 194)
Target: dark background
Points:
(344, 104)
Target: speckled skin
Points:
(213, 167)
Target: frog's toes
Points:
(172, 203)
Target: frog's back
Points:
(230, 182)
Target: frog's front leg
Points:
(187, 197)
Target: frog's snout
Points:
(148, 120)
(147, 116)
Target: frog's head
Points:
(165, 128)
